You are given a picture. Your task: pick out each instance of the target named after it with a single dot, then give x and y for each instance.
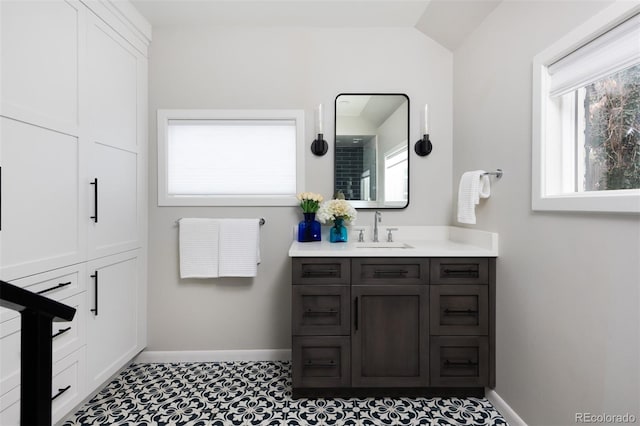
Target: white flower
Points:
(334, 209)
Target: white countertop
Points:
(425, 241)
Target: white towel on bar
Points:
(473, 186)
(239, 247)
(199, 248)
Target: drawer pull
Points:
(398, 272)
(465, 272)
(95, 295)
(60, 392)
(460, 364)
(460, 312)
(55, 287)
(329, 311)
(320, 363)
(320, 273)
(61, 331)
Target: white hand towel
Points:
(199, 248)
(473, 186)
(239, 247)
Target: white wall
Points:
(568, 283)
(281, 68)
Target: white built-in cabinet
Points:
(73, 146)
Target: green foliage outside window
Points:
(612, 133)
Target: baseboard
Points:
(507, 412)
(214, 356)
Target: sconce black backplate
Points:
(423, 147)
(319, 146)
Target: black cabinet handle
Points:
(95, 200)
(95, 300)
(55, 287)
(460, 312)
(355, 311)
(468, 272)
(397, 272)
(458, 364)
(320, 273)
(319, 363)
(60, 392)
(61, 331)
(329, 311)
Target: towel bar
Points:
(262, 221)
(497, 173)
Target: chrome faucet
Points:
(377, 217)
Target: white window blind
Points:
(231, 157)
(615, 50)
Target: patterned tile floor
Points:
(256, 393)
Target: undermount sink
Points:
(383, 245)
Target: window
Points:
(396, 175)
(230, 157)
(586, 117)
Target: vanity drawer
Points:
(459, 271)
(459, 361)
(459, 310)
(321, 362)
(67, 384)
(321, 270)
(391, 270)
(321, 310)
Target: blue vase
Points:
(309, 229)
(338, 233)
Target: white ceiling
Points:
(446, 21)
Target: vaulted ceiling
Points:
(448, 22)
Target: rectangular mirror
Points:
(372, 149)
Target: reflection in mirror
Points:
(372, 149)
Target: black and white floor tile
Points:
(257, 393)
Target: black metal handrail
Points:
(37, 313)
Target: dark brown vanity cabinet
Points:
(393, 323)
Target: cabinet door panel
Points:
(40, 62)
(459, 310)
(116, 229)
(113, 85)
(320, 361)
(385, 271)
(390, 336)
(112, 331)
(459, 361)
(321, 310)
(40, 200)
(459, 271)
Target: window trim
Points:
(165, 115)
(624, 201)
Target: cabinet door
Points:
(112, 324)
(40, 200)
(115, 81)
(40, 62)
(390, 336)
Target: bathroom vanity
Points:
(415, 318)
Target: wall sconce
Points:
(424, 147)
(319, 146)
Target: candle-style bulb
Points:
(320, 119)
(426, 119)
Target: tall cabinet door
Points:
(390, 334)
(115, 77)
(112, 328)
(39, 142)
